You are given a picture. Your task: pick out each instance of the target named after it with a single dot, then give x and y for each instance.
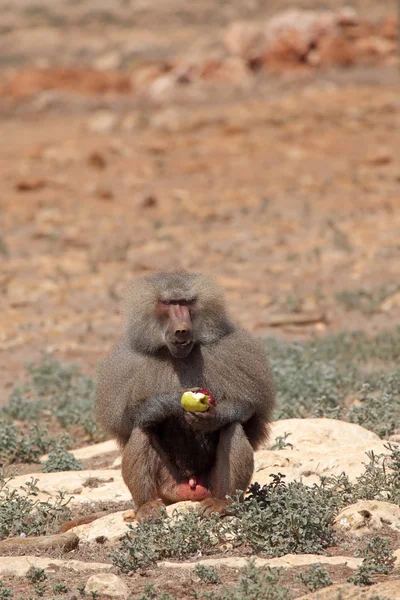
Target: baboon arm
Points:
(217, 417)
(155, 410)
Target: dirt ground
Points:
(285, 186)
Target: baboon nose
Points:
(182, 329)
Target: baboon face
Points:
(176, 315)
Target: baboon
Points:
(177, 336)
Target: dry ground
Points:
(287, 188)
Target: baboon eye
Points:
(167, 302)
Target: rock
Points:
(85, 486)
(390, 303)
(245, 39)
(288, 561)
(320, 447)
(107, 584)
(291, 34)
(109, 61)
(334, 50)
(113, 527)
(389, 590)
(103, 121)
(110, 528)
(18, 566)
(382, 156)
(368, 515)
(331, 433)
(91, 451)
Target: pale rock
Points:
(111, 528)
(288, 561)
(390, 303)
(108, 61)
(103, 121)
(91, 451)
(389, 590)
(107, 584)
(109, 486)
(320, 447)
(304, 27)
(245, 39)
(368, 515)
(18, 566)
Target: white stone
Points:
(289, 561)
(110, 528)
(320, 447)
(91, 451)
(18, 566)
(102, 121)
(107, 584)
(111, 486)
(368, 515)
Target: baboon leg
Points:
(140, 467)
(233, 469)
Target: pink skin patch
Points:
(194, 489)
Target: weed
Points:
(378, 558)
(255, 584)
(5, 592)
(61, 460)
(363, 300)
(17, 446)
(36, 575)
(60, 588)
(23, 514)
(280, 442)
(206, 574)
(315, 578)
(151, 594)
(56, 393)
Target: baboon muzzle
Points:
(180, 324)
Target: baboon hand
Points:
(204, 421)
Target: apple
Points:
(195, 401)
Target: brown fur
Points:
(140, 384)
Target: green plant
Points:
(315, 578)
(255, 584)
(36, 575)
(5, 592)
(21, 513)
(278, 519)
(378, 558)
(280, 442)
(61, 460)
(20, 446)
(206, 574)
(151, 594)
(60, 588)
(180, 537)
(55, 392)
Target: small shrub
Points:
(55, 392)
(60, 588)
(151, 594)
(17, 446)
(5, 592)
(61, 460)
(206, 574)
(24, 514)
(255, 584)
(280, 442)
(316, 578)
(378, 558)
(36, 575)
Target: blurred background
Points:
(255, 140)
